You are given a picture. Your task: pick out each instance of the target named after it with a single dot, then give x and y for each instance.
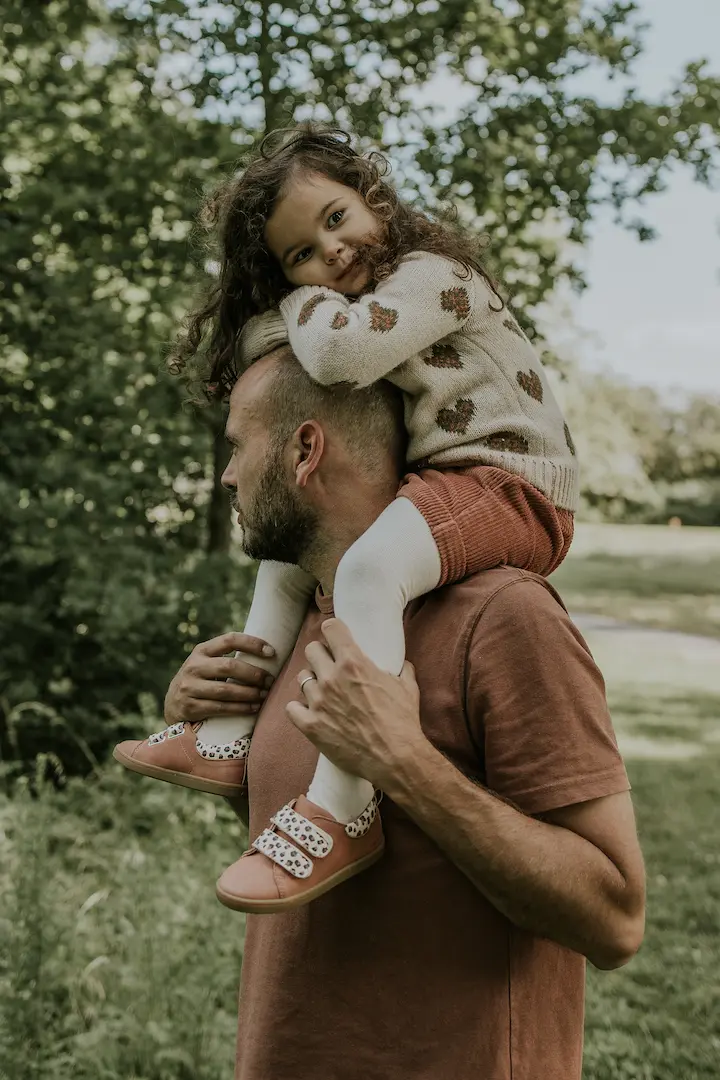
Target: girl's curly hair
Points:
(250, 280)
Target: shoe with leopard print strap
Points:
(174, 755)
(303, 853)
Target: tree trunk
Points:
(219, 513)
(266, 62)
(219, 519)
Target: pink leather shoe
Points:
(174, 755)
(303, 854)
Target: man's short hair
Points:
(370, 419)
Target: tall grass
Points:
(116, 961)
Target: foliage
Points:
(105, 968)
(116, 115)
(105, 475)
(645, 455)
(527, 149)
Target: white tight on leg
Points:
(394, 562)
(279, 603)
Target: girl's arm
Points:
(359, 341)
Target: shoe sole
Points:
(269, 907)
(170, 776)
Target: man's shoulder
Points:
(515, 590)
(502, 609)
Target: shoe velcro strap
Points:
(171, 732)
(305, 833)
(285, 854)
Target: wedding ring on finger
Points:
(306, 679)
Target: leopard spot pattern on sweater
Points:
(308, 307)
(443, 355)
(457, 420)
(507, 442)
(456, 301)
(529, 381)
(513, 327)
(569, 441)
(382, 318)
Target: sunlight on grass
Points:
(651, 575)
(659, 1017)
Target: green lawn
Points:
(650, 575)
(117, 963)
(659, 1017)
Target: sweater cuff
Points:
(260, 336)
(292, 306)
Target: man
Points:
(511, 851)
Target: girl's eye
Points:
(336, 217)
(301, 255)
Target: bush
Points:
(82, 651)
(116, 960)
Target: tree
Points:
(528, 149)
(116, 115)
(614, 426)
(105, 474)
(529, 158)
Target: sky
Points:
(652, 311)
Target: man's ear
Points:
(308, 446)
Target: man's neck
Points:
(341, 529)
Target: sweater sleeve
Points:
(337, 339)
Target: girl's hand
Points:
(200, 689)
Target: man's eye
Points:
(336, 217)
(302, 255)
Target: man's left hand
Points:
(365, 720)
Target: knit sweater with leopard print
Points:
(474, 388)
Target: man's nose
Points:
(228, 478)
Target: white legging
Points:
(393, 562)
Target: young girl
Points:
(369, 288)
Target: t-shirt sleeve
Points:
(536, 702)
(360, 341)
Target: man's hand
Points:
(363, 719)
(200, 689)
(576, 877)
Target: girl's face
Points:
(315, 231)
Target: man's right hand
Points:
(200, 689)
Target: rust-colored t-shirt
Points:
(407, 972)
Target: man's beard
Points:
(276, 526)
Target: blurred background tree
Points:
(115, 548)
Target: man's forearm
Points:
(544, 879)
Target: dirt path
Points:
(661, 664)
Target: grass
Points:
(659, 1017)
(649, 575)
(117, 962)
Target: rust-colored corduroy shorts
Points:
(482, 517)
